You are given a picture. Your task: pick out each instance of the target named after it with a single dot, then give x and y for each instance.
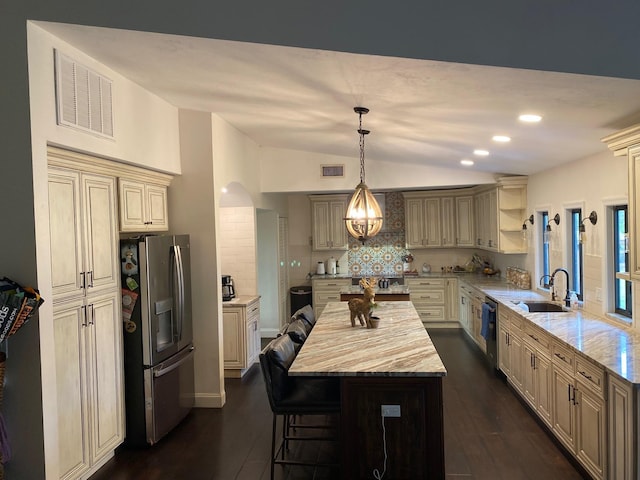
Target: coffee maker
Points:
(228, 292)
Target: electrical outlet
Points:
(599, 294)
(390, 410)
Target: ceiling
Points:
(422, 112)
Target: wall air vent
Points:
(83, 97)
(333, 170)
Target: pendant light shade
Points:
(364, 217)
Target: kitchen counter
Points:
(615, 347)
(400, 346)
(241, 301)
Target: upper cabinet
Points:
(500, 211)
(438, 220)
(327, 222)
(83, 229)
(627, 143)
(143, 206)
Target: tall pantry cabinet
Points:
(87, 311)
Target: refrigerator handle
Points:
(180, 284)
(164, 370)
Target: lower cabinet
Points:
(241, 336)
(622, 431)
(325, 291)
(429, 296)
(89, 382)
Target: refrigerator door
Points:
(169, 394)
(166, 301)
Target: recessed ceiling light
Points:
(530, 118)
(466, 163)
(481, 153)
(501, 138)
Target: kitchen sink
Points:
(545, 307)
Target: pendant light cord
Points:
(362, 134)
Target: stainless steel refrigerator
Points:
(158, 335)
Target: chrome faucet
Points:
(567, 298)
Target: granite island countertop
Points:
(399, 347)
(614, 346)
(395, 290)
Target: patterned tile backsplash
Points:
(381, 255)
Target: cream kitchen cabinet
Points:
(536, 371)
(510, 347)
(143, 206)
(325, 291)
(428, 296)
(465, 308)
(327, 222)
(89, 382)
(423, 225)
(452, 312)
(465, 232)
(83, 232)
(241, 334)
(621, 399)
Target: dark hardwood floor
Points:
(489, 434)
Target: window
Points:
(623, 300)
(576, 252)
(544, 247)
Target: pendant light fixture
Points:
(364, 217)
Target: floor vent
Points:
(83, 97)
(333, 170)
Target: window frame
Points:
(576, 253)
(620, 277)
(544, 260)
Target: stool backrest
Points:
(275, 360)
(307, 316)
(298, 332)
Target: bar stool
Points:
(297, 330)
(294, 396)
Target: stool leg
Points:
(273, 446)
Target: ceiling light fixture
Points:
(364, 217)
(466, 162)
(481, 153)
(529, 118)
(501, 138)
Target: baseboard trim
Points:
(210, 400)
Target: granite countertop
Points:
(241, 301)
(399, 347)
(398, 290)
(615, 347)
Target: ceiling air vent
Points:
(333, 170)
(83, 97)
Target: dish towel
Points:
(488, 316)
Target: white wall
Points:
(146, 134)
(237, 240)
(296, 171)
(590, 184)
(268, 272)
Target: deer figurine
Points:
(361, 307)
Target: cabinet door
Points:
(414, 222)
(591, 433)
(451, 302)
(102, 260)
(504, 354)
(543, 379)
(448, 221)
(338, 210)
(71, 388)
(66, 238)
(157, 213)
(105, 359)
(253, 343)
(634, 212)
(464, 222)
(321, 215)
(132, 206)
(234, 332)
(492, 215)
(528, 374)
(621, 428)
(515, 357)
(564, 423)
(432, 223)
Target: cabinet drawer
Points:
(539, 339)
(417, 283)
(253, 312)
(563, 357)
(516, 320)
(590, 375)
(431, 314)
(430, 297)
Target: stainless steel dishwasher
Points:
(492, 343)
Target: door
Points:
(528, 374)
(543, 388)
(169, 390)
(563, 411)
(590, 430)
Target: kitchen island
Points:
(391, 294)
(394, 365)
